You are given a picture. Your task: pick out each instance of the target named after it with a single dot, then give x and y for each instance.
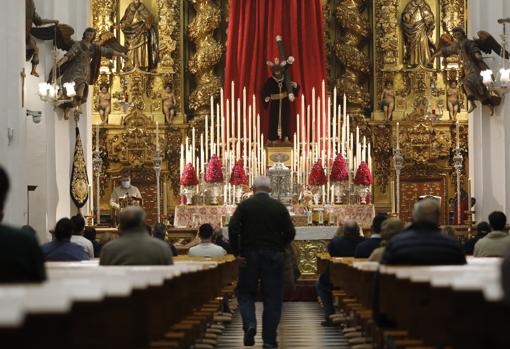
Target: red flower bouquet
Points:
(317, 175)
(214, 173)
(363, 175)
(238, 175)
(339, 170)
(189, 176)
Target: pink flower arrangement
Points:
(189, 175)
(238, 175)
(363, 175)
(339, 170)
(213, 173)
(317, 175)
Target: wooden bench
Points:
(84, 305)
(437, 306)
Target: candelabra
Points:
(97, 164)
(398, 163)
(458, 161)
(157, 168)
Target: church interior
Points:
(168, 165)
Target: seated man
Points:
(218, 239)
(62, 249)
(423, 243)
(125, 190)
(90, 234)
(206, 248)
(135, 246)
(482, 229)
(339, 246)
(159, 232)
(21, 259)
(495, 243)
(366, 247)
(77, 238)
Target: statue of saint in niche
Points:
(140, 36)
(418, 26)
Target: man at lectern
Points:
(125, 194)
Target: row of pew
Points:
(83, 305)
(458, 307)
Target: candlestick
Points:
(457, 134)
(392, 194)
(398, 135)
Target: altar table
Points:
(194, 216)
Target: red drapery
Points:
(253, 26)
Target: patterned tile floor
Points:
(299, 328)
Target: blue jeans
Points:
(324, 291)
(265, 265)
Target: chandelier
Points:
(55, 92)
(500, 82)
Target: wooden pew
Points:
(83, 305)
(438, 306)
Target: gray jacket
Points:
(136, 247)
(493, 244)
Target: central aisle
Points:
(300, 327)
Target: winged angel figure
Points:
(82, 60)
(470, 53)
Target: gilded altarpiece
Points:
(366, 48)
(419, 88)
(186, 40)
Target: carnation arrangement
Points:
(339, 170)
(189, 176)
(238, 175)
(214, 173)
(317, 175)
(363, 175)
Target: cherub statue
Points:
(306, 196)
(453, 99)
(81, 63)
(388, 100)
(470, 53)
(169, 103)
(104, 102)
(33, 19)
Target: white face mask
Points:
(126, 184)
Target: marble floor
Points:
(299, 328)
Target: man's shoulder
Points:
(15, 234)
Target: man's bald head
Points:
(427, 211)
(131, 217)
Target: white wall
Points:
(41, 154)
(489, 135)
(12, 37)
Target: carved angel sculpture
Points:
(81, 62)
(470, 53)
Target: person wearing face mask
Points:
(125, 189)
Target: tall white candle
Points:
(97, 136)
(238, 135)
(193, 147)
(206, 144)
(313, 115)
(218, 130)
(227, 127)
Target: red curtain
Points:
(253, 26)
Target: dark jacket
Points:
(365, 248)
(469, 245)
(423, 245)
(64, 250)
(136, 247)
(21, 259)
(340, 246)
(225, 245)
(344, 246)
(260, 222)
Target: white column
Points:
(50, 144)
(13, 120)
(489, 136)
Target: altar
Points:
(217, 216)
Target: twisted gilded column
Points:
(208, 53)
(349, 49)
